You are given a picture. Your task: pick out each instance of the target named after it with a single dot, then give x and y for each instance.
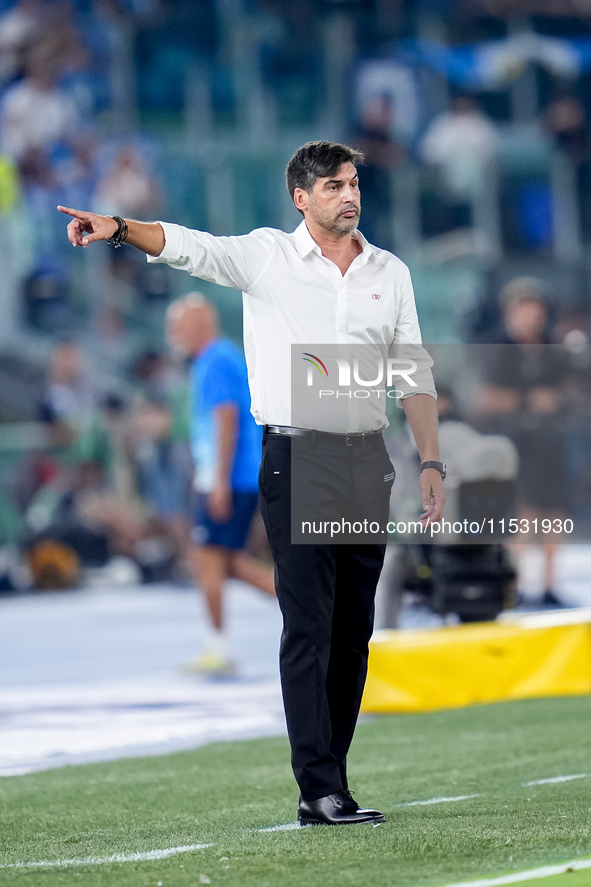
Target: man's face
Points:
(182, 335)
(526, 320)
(66, 363)
(335, 202)
(189, 328)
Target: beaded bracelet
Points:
(120, 235)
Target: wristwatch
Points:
(440, 466)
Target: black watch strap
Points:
(440, 466)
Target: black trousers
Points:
(326, 595)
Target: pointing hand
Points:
(85, 227)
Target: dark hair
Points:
(318, 160)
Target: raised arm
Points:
(229, 261)
(86, 228)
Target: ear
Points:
(300, 199)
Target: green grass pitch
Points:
(570, 879)
(221, 794)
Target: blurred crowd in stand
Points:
(56, 73)
(78, 81)
(109, 485)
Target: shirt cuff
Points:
(172, 244)
(430, 391)
(417, 359)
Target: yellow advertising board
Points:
(519, 657)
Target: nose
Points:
(349, 195)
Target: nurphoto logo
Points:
(315, 361)
(386, 371)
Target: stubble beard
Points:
(335, 224)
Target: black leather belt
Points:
(351, 438)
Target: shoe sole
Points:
(374, 820)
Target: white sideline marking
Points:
(438, 801)
(531, 875)
(286, 827)
(554, 779)
(105, 860)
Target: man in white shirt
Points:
(322, 284)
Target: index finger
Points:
(76, 213)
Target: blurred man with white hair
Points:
(225, 442)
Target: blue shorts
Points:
(231, 534)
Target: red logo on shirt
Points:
(376, 296)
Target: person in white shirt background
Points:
(323, 283)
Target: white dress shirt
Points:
(294, 295)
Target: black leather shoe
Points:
(336, 809)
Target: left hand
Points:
(433, 496)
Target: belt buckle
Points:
(351, 435)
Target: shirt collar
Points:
(305, 243)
